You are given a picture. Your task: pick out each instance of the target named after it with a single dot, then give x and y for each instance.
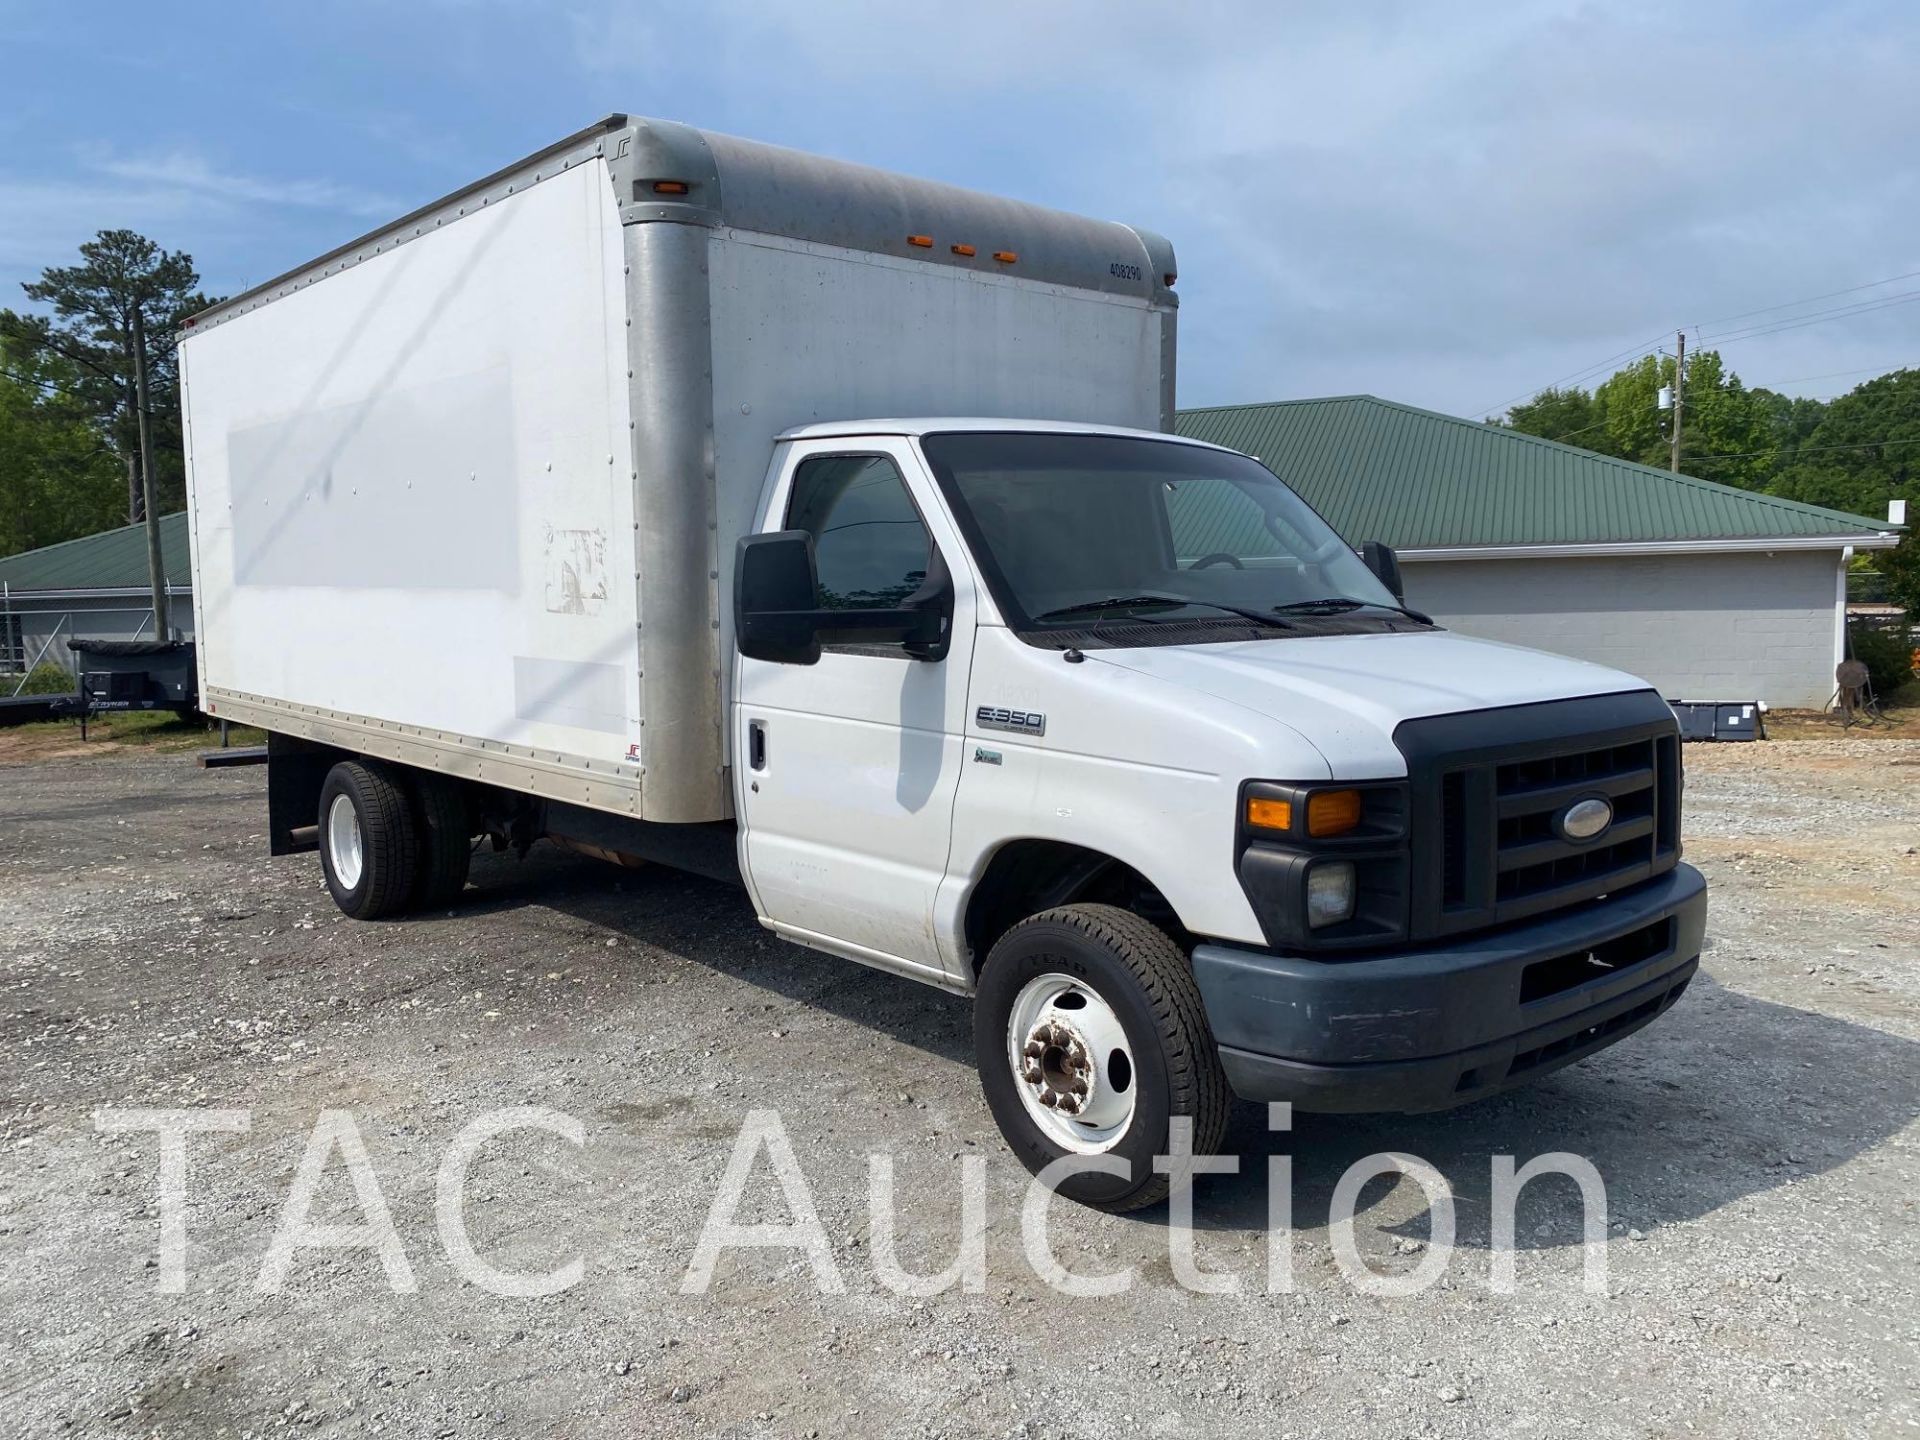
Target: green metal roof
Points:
(1420, 480)
(111, 560)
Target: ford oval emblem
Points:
(1586, 819)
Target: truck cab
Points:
(1108, 729)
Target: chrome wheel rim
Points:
(344, 849)
(1071, 1063)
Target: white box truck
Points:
(565, 508)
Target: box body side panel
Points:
(803, 332)
(411, 485)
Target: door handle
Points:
(756, 745)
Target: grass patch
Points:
(1899, 720)
(146, 729)
(46, 678)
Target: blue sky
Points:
(1448, 205)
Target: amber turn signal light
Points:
(1332, 812)
(1267, 814)
(669, 187)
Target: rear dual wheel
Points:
(390, 841)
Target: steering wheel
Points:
(1218, 557)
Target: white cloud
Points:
(1448, 204)
(183, 170)
(1444, 204)
(42, 222)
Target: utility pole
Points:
(1679, 391)
(156, 569)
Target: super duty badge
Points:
(1021, 722)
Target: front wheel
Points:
(1091, 1039)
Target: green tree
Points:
(1864, 452)
(58, 479)
(1571, 415)
(1728, 432)
(89, 326)
(1636, 427)
(1792, 418)
(1901, 566)
(1721, 417)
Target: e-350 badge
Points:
(1020, 722)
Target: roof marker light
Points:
(963, 250)
(925, 242)
(1005, 257)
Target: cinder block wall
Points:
(1698, 627)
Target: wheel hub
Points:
(345, 847)
(1072, 1063)
(1059, 1067)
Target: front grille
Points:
(1489, 791)
(1534, 867)
(1454, 846)
(1532, 859)
(1544, 979)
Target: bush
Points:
(1887, 654)
(46, 678)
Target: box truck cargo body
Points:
(676, 498)
(468, 489)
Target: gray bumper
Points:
(1443, 1025)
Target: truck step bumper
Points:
(1438, 1027)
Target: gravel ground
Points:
(1758, 1147)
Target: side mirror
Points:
(777, 614)
(775, 593)
(1385, 566)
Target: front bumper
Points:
(1440, 1026)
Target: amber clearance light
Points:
(1332, 812)
(1268, 814)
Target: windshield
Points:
(1075, 529)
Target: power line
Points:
(1581, 431)
(46, 386)
(1751, 332)
(1788, 305)
(1836, 374)
(1625, 355)
(1806, 450)
(1839, 312)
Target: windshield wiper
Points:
(1342, 604)
(1119, 602)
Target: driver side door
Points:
(851, 765)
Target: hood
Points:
(1347, 693)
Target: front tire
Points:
(1091, 1039)
(369, 846)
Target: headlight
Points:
(1330, 893)
(1325, 867)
